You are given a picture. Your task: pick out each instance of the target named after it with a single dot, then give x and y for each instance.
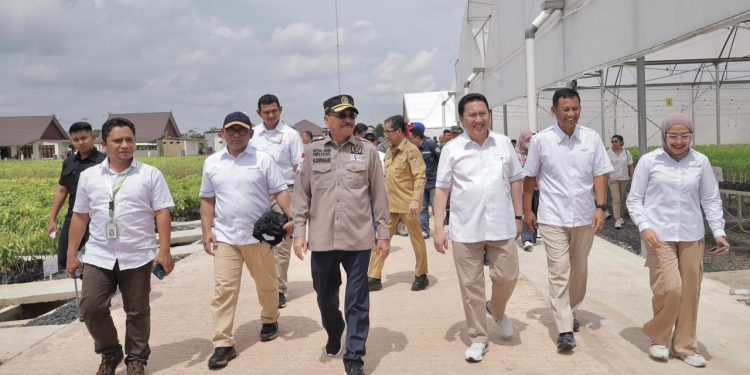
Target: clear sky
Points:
(201, 59)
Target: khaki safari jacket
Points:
(338, 194)
(404, 175)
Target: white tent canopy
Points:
(428, 108)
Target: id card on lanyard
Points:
(111, 226)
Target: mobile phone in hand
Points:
(159, 272)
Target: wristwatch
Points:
(602, 206)
(519, 218)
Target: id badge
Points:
(111, 231)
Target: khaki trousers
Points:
(676, 271)
(228, 262)
(282, 252)
(567, 264)
(619, 190)
(414, 227)
(469, 259)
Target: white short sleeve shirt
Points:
(143, 192)
(242, 187)
(479, 177)
(283, 143)
(620, 164)
(667, 196)
(565, 167)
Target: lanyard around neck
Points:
(113, 191)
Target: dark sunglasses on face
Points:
(344, 115)
(240, 131)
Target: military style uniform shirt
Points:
(565, 167)
(71, 171)
(431, 155)
(404, 176)
(479, 177)
(241, 186)
(339, 192)
(143, 192)
(283, 143)
(667, 196)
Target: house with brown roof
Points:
(157, 134)
(307, 125)
(32, 137)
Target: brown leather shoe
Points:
(136, 368)
(109, 363)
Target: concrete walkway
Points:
(413, 332)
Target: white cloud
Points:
(228, 33)
(303, 37)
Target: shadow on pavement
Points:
(406, 277)
(382, 341)
(293, 327)
(194, 351)
(635, 336)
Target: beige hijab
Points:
(668, 123)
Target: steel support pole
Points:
(718, 104)
(505, 119)
(641, 91)
(601, 103)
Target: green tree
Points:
(380, 130)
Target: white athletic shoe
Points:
(528, 246)
(475, 353)
(659, 352)
(618, 223)
(695, 360)
(505, 328)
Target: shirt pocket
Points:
(321, 175)
(356, 175)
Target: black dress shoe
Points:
(269, 331)
(420, 283)
(566, 341)
(576, 325)
(282, 300)
(374, 284)
(110, 362)
(222, 355)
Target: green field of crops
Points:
(27, 189)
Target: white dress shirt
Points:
(667, 196)
(283, 143)
(479, 177)
(620, 164)
(242, 187)
(565, 167)
(143, 192)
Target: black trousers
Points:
(326, 277)
(62, 244)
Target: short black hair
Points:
(268, 99)
(446, 131)
(397, 123)
(619, 137)
(308, 133)
(115, 122)
(468, 98)
(566, 93)
(360, 129)
(416, 132)
(80, 126)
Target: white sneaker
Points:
(528, 246)
(695, 360)
(505, 328)
(618, 223)
(659, 352)
(475, 353)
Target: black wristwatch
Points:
(602, 206)
(519, 218)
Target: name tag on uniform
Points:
(358, 158)
(111, 230)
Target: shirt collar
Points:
(225, 152)
(352, 139)
(401, 145)
(92, 155)
(104, 165)
(279, 127)
(464, 137)
(561, 134)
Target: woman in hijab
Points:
(522, 151)
(670, 185)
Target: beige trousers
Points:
(567, 264)
(414, 227)
(619, 190)
(469, 259)
(676, 271)
(228, 262)
(282, 252)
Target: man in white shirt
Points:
(480, 171)
(570, 164)
(235, 189)
(119, 199)
(285, 146)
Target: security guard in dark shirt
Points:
(83, 140)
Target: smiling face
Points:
(567, 111)
(476, 120)
(678, 139)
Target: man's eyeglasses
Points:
(240, 131)
(386, 131)
(344, 115)
(615, 141)
(684, 137)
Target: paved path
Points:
(413, 332)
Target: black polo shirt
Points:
(71, 170)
